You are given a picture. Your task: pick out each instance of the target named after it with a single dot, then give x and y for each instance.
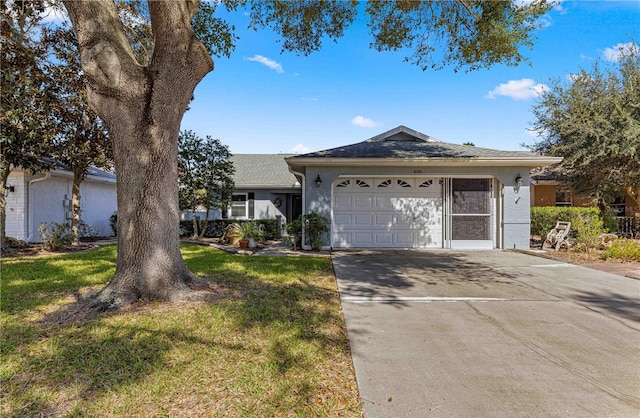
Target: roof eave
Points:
(431, 162)
(266, 186)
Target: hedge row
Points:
(586, 224)
(216, 227)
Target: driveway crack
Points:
(631, 400)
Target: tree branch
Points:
(107, 58)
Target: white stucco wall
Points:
(98, 202)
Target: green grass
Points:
(277, 347)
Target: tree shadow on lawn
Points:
(281, 321)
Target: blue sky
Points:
(264, 101)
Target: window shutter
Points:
(252, 208)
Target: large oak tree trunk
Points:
(142, 107)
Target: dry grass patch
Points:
(273, 343)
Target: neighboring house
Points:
(550, 189)
(404, 189)
(46, 197)
(264, 189)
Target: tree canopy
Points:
(592, 119)
(205, 175)
(25, 128)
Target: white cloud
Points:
(522, 89)
(363, 122)
(615, 53)
(300, 149)
(268, 62)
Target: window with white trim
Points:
(239, 205)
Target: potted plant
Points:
(250, 232)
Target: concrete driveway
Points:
(489, 333)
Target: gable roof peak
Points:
(402, 133)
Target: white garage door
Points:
(394, 212)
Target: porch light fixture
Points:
(518, 183)
(10, 188)
(318, 181)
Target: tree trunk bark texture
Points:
(142, 108)
(78, 177)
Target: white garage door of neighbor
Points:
(394, 212)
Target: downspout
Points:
(304, 202)
(29, 205)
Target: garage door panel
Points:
(342, 239)
(343, 219)
(405, 238)
(385, 239)
(362, 202)
(363, 239)
(343, 201)
(383, 202)
(384, 220)
(364, 219)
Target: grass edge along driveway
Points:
(272, 343)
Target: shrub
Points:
(216, 227)
(294, 229)
(16, 243)
(610, 222)
(86, 232)
(315, 226)
(55, 236)
(623, 249)
(271, 228)
(586, 224)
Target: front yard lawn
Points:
(271, 343)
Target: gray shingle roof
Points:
(263, 171)
(403, 142)
(92, 172)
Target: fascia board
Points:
(267, 186)
(430, 162)
(69, 175)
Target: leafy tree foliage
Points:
(81, 140)
(593, 121)
(133, 86)
(205, 175)
(25, 128)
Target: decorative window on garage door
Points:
(471, 209)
